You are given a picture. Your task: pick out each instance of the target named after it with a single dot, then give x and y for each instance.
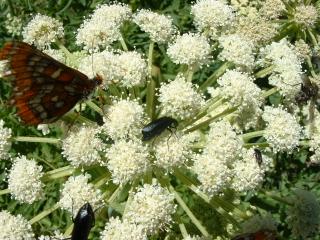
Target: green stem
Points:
(64, 49)
(43, 214)
(247, 136)
(313, 38)
(36, 139)
(264, 72)
(211, 119)
(58, 173)
(269, 92)
(123, 43)
(278, 198)
(311, 67)
(4, 191)
(183, 230)
(189, 74)
(215, 75)
(150, 57)
(94, 107)
(11, 8)
(259, 144)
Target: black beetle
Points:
(83, 223)
(156, 127)
(258, 156)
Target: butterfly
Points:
(260, 235)
(43, 88)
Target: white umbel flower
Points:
(127, 160)
(171, 152)
(122, 230)
(115, 13)
(151, 207)
(159, 27)
(223, 143)
(212, 16)
(213, 174)
(5, 143)
(180, 99)
(82, 147)
(287, 70)
(238, 50)
(124, 119)
(15, 227)
(272, 9)
(191, 49)
(283, 132)
(306, 15)
(24, 180)
(76, 191)
(315, 147)
(247, 174)
(42, 31)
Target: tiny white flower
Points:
(76, 191)
(42, 31)
(15, 227)
(82, 147)
(151, 207)
(122, 230)
(56, 54)
(306, 15)
(212, 16)
(238, 50)
(127, 160)
(5, 143)
(116, 13)
(272, 9)
(159, 27)
(124, 119)
(24, 180)
(283, 132)
(191, 49)
(44, 128)
(180, 99)
(13, 24)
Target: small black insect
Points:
(258, 156)
(83, 223)
(156, 127)
(308, 91)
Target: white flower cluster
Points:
(124, 119)
(103, 27)
(191, 49)
(123, 230)
(5, 143)
(315, 147)
(15, 227)
(212, 17)
(159, 27)
(42, 31)
(76, 191)
(151, 207)
(287, 72)
(283, 132)
(24, 180)
(272, 9)
(238, 50)
(127, 160)
(306, 15)
(13, 24)
(180, 99)
(82, 147)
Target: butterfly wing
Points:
(43, 88)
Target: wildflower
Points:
(287, 72)
(76, 191)
(237, 49)
(24, 180)
(56, 236)
(315, 147)
(302, 50)
(13, 25)
(247, 174)
(159, 27)
(212, 17)
(283, 131)
(82, 147)
(303, 214)
(272, 9)
(125, 119)
(15, 227)
(151, 207)
(127, 160)
(179, 99)
(171, 152)
(5, 143)
(44, 128)
(122, 230)
(306, 15)
(190, 49)
(42, 31)
(115, 13)
(213, 174)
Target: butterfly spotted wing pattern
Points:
(43, 88)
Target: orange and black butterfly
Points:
(43, 88)
(260, 235)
